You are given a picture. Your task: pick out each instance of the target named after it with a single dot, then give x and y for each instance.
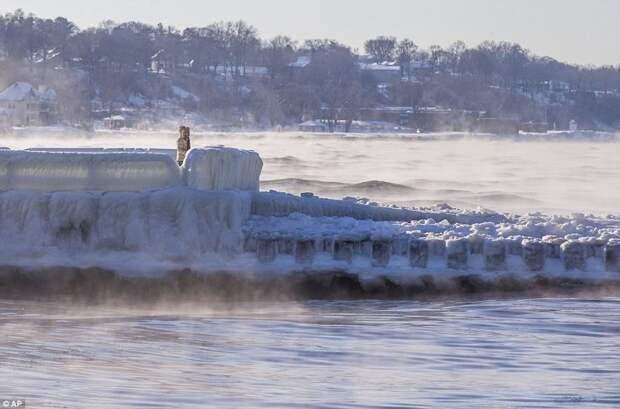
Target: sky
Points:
(584, 32)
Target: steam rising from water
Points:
(535, 174)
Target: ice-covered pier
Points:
(137, 213)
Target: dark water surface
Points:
(516, 353)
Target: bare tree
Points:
(406, 51)
(278, 53)
(381, 48)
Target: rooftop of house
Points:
(301, 62)
(379, 67)
(20, 91)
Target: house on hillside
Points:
(301, 62)
(385, 72)
(162, 62)
(297, 67)
(227, 73)
(116, 122)
(23, 105)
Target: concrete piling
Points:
(573, 255)
(514, 247)
(323, 245)
(476, 245)
(594, 249)
(400, 246)
(553, 248)
(436, 247)
(249, 245)
(286, 247)
(494, 255)
(612, 258)
(365, 249)
(534, 255)
(266, 250)
(418, 253)
(304, 251)
(457, 254)
(381, 252)
(343, 250)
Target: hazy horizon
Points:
(582, 33)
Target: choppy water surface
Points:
(516, 353)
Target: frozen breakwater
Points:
(138, 215)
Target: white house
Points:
(23, 105)
(385, 72)
(115, 122)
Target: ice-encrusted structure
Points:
(84, 172)
(138, 212)
(106, 229)
(220, 168)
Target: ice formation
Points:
(95, 228)
(83, 172)
(134, 212)
(220, 168)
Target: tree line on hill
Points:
(234, 75)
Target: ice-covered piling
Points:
(476, 245)
(437, 248)
(494, 255)
(266, 250)
(400, 246)
(418, 253)
(612, 258)
(514, 247)
(553, 247)
(343, 250)
(457, 254)
(286, 246)
(304, 251)
(381, 251)
(534, 255)
(573, 255)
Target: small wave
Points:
(331, 188)
(284, 160)
(379, 186)
(502, 198)
(297, 183)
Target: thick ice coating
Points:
(107, 229)
(58, 171)
(220, 168)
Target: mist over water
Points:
(504, 174)
(495, 352)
